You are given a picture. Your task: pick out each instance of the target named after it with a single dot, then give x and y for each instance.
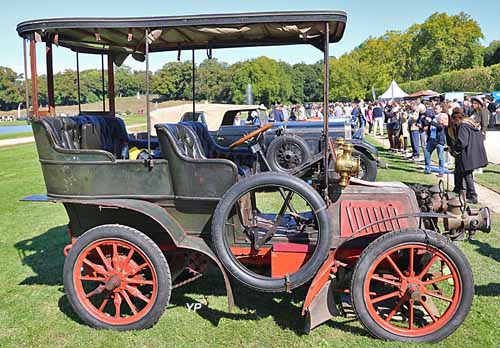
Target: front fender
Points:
(367, 148)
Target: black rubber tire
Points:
(240, 272)
(393, 239)
(277, 143)
(370, 165)
(148, 248)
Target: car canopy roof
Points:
(124, 36)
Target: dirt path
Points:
(24, 140)
(486, 196)
(492, 145)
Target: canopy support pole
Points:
(78, 83)
(193, 85)
(148, 117)
(111, 85)
(326, 98)
(34, 82)
(103, 87)
(50, 79)
(26, 88)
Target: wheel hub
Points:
(413, 291)
(113, 282)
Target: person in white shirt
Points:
(338, 111)
(302, 113)
(348, 110)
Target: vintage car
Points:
(140, 228)
(287, 145)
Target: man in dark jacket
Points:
(470, 154)
(436, 139)
(492, 109)
(378, 119)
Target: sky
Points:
(365, 18)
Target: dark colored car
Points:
(287, 144)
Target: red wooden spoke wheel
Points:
(389, 290)
(116, 277)
(118, 283)
(412, 286)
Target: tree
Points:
(66, 88)
(127, 82)
(213, 81)
(270, 84)
(446, 43)
(173, 81)
(492, 53)
(10, 89)
(307, 82)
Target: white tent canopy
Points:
(393, 92)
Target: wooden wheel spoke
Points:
(396, 308)
(96, 291)
(136, 293)
(138, 280)
(97, 268)
(129, 302)
(104, 259)
(387, 281)
(137, 269)
(114, 258)
(439, 279)
(410, 314)
(384, 297)
(124, 265)
(428, 266)
(103, 304)
(118, 302)
(429, 311)
(438, 296)
(411, 269)
(96, 279)
(395, 267)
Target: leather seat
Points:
(185, 140)
(192, 173)
(243, 158)
(64, 131)
(107, 133)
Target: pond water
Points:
(14, 129)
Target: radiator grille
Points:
(356, 215)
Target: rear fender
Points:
(154, 219)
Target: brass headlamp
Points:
(345, 164)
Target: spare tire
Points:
(286, 153)
(228, 234)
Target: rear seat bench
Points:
(91, 132)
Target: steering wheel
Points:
(251, 135)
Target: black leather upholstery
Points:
(64, 131)
(192, 174)
(185, 140)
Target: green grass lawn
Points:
(34, 311)
(13, 123)
(490, 177)
(16, 135)
(134, 119)
(400, 168)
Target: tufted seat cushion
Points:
(185, 140)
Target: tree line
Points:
(440, 45)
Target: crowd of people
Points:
(454, 130)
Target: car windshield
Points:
(196, 117)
